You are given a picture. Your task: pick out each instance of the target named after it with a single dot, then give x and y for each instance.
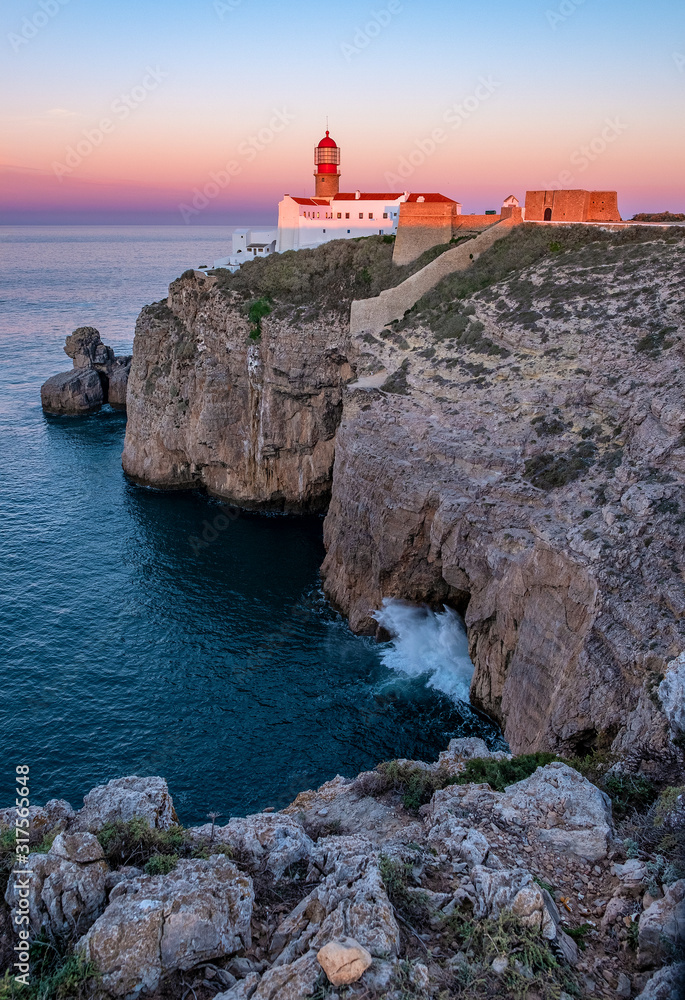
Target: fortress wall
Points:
(470, 223)
(422, 225)
(603, 207)
(573, 206)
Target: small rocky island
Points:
(97, 377)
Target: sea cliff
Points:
(515, 447)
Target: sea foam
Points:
(427, 644)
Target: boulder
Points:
(562, 809)
(666, 984)
(350, 902)
(274, 839)
(344, 961)
(458, 751)
(118, 383)
(74, 392)
(124, 799)
(67, 889)
(292, 981)
(661, 932)
(56, 814)
(158, 924)
(242, 990)
(348, 807)
(86, 349)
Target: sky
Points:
(207, 112)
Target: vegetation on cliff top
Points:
(325, 279)
(441, 309)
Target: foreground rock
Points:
(67, 887)
(157, 924)
(344, 962)
(399, 905)
(98, 377)
(124, 799)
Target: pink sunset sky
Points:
(127, 113)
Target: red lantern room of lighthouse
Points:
(327, 169)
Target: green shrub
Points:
(628, 792)
(499, 774)
(550, 471)
(54, 976)
(256, 312)
(161, 864)
(135, 842)
(538, 973)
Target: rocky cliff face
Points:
(250, 420)
(525, 461)
(517, 451)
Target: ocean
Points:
(127, 649)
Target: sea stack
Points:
(98, 377)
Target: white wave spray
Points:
(427, 644)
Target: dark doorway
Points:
(548, 215)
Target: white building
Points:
(246, 244)
(309, 222)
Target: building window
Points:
(324, 230)
(380, 232)
(347, 215)
(361, 215)
(385, 215)
(349, 231)
(318, 215)
(371, 215)
(340, 215)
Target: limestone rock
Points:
(242, 990)
(292, 981)
(344, 961)
(350, 902)
(566, 810)
(86, 349)
(274, 838)
(124, 799)
(72, 393)
(157, 924)
(666, 984)
(97, 377)
(672, 694)
(460, 750)
(118, 384)
(56, 814)
(349, 807)
(662, 927)
(67, 888)
(196, 372)
(633, 876)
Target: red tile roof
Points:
(367, 197)
(317, 202)
(430, 197)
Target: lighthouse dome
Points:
(327, 142)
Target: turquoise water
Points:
(128, 649)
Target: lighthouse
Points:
(327, 168)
